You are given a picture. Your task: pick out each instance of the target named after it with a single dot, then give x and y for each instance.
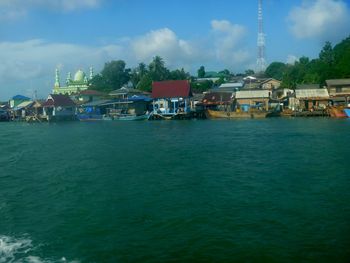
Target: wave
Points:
(21, 250)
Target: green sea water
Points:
(273, 190)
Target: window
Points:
(338, 89)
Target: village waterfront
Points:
(253, 190)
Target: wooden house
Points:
(253, 98)
(270, 84)
(59, 107)
(311, 99)
(171, 97)
(339, 91)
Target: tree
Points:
(249, 72)
(178, 74)
(137, 73)
(145, 83)
(342, 58)
(113, 76)
(276, 70)
(157, 69)
(201, 72)
(199, 87)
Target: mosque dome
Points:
(79, 76)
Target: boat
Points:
(337, 112)
(347, 112)
(237, 114)
(130, 117)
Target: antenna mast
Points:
(261, 62)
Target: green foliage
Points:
(157, 69)
(200, 87)
(332, 63)
(276, 70)
(113, 76)
(145, 83)
(249, 72)
(201, 72)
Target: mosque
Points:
(73, 86)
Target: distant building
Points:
(230, 87)
(18, 99)
(307, 99)
(79, 83)
(59, 107)
(254, 98)
(270, 84)
(339, 90)
(171, 97)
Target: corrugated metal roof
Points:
(337, 82)
(232, 85)
(171, 89)
(22, 105)
(311, 93)
(250, 94)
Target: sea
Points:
(267, 190)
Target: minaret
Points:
(57, 79)
(260, 62)
(69, 78)
(91, 73)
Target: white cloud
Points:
(16, 9)
(291, 59)
(320, 19)
(33, 61)
(165, 43)
(229, 43)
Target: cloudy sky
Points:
(37, 36)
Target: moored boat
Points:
(337, 112)
(130, 117)
(347, 112)
(236, 114)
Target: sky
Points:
(38, 36)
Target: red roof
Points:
(171, 89)
(57, 100)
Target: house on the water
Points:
(59, 107)
(18, 99)
(339, 91)
(246, 99)
(311, 98)
(171, 98)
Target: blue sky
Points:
(37, 36)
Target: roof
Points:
(57, 100)
(249, 94)
(20, 97)
(337, 82)
(124, 90)
(270, 79)
(171, 89)
(217, 98)
(90, 92)
(311, 93)
(95, 103)
(24, 104)
(231, 85)
(308, 86)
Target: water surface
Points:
(274, 190)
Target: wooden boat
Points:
(236, 114)
(130, 117)
(337, 112)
